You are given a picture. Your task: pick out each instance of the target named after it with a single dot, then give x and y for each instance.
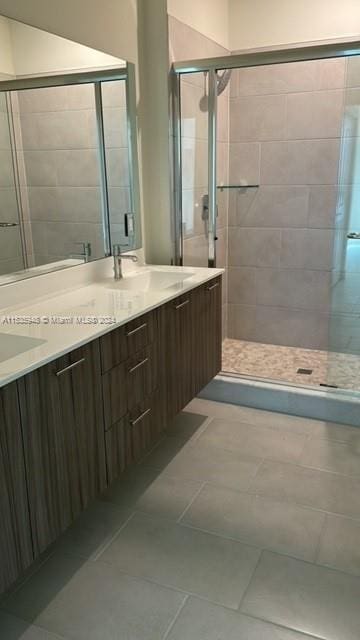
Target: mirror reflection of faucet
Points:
(86, 252)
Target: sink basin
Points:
(151, 280)
(11, 346)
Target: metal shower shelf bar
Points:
(221, 187)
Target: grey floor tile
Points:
(193, 561)
(254, 440)
(305, 597)
(93, 529)
(12, 628)
(201, 620)
(165, 452)
(187, 425)
(267, 523)
(149, 490)
(309, 487)
(204, 462)
(341, 457)
(93, 601)
(340, 544)
(260, 417)
(340, 432)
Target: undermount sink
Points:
(151, 280)
(12, 345)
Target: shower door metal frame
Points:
(127, 74)
(212, 66)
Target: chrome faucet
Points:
(118, 258)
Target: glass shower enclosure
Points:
(267, 187)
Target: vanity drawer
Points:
(129, 383)
(142, 371)
(144, 423)
(133, 436)
(121, 344)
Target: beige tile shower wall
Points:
(186, 43)
(285, 129)
(60, 152)
(10, 242)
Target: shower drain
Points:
(305, 372)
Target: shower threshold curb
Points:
(329, 405)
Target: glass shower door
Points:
(194, 125)
(11, 251)
(344, 326)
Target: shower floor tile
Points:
(276, 362)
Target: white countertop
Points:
(100, 301)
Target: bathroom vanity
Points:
(84, 404)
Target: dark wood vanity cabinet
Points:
(70, 428)
(16, 552)
(179, 332)
(133, 391)
(62, 419)
(208, 334)
(192, 344)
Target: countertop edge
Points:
(12, 377)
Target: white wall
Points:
(107, 25)
(36, 51)
(6, 59)
(154, 130)
(210, 17)
(262, 23)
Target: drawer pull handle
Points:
(141, 417)
(213, 286)
(131, 333)
(138, 365)
(69, 368)
(182, 304)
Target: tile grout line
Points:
(95, 556)
(306, 467)
(318, 546)
(202, 429)
(42, 628)
(173, 588)
(306, 635)
(250, 581)
(254, 476)
(246, 422)
(203, 484)
(173, 622)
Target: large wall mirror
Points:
(69, 186)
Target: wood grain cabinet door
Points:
(16, 552)
(180, 321)
(62, 416)
(208, 333)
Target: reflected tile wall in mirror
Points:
(11, 258)
(65, 180)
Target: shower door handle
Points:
(6, 225)
(353, 235)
